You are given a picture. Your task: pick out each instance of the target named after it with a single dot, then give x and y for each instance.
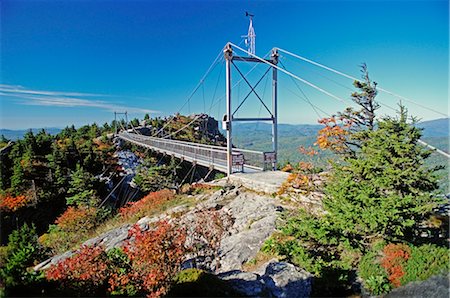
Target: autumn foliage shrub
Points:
(70, 228)
(335, 134)
(156, 256)
(86, 271)
(148, 204)
(10, 203)
(395, 265)
(394, 261)
(147, 264)
(77, 219)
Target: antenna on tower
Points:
(250, 38)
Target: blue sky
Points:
(75, 62)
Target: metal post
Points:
(274, 107)
(115, 123)
(228, 53)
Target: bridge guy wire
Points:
(381, 89)
(355, 79)
(290, 74)
(346, 87)
(202, 80)
(212, 105)
(305, 98)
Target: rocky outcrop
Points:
(273, 279)
(250, 219)
(436, 286)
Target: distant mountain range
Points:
(435, 128)
(245, 132)
(14, 134)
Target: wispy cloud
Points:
(65, 99)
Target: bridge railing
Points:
(203, 154)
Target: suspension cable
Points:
(290, 74)
(355, 79)
(202, 80)
(111, 192)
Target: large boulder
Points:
(273, 279)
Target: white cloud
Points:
(65, 99)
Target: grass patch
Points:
(260, 259)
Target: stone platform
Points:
(268, 182)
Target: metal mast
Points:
(250, 38)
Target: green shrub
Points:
(374, 276)
(188, 275)
(425, 261)
(21, 252)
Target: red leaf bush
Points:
(87, 270)
(147, 264)
(76, 219)
(156, 256)
(147, 204)
(9, 203)
(394, 261)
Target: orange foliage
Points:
(10, 203)
(333, 136)
(87, 270)
(152, 259)
(76, 219)
(287, 168)
(394, 259)
(307, 151)
(156, 256)
(148, 203)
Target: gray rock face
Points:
(436, 287)
(247, 283)
(254, 221)
(250, 219)
(284, 280)
(278, 279)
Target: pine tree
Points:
(81, 188)
(387, 189)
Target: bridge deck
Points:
(206, 155)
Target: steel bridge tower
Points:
(229, 117)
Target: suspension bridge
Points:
(230, 159)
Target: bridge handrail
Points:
(220, 148)
(183, 143)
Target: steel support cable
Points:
(434, 148)
(193, 173)
(260, 107)
(381, 89)
(215, 89)
(355, 79)
(290, 74)
(134, 129)
(182, 128)
(306, 99)
(207, 174)
(114, 189)
(202, 80)
(350, 89)
(182, 181)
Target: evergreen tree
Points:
(387, 189)
(21, 251)
(81, 188)
(18, 177)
